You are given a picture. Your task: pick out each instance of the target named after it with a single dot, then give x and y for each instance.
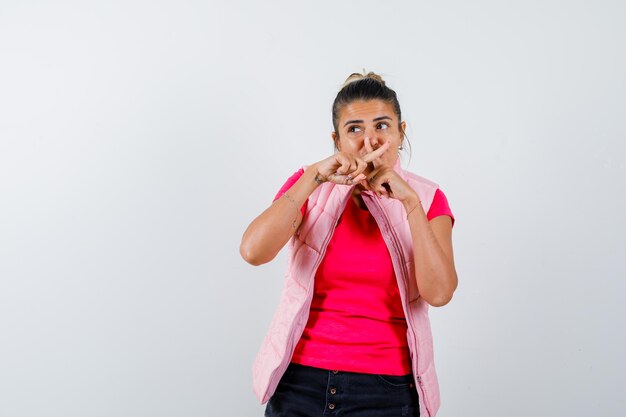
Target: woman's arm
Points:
(433, 256)
(272, 229)
(432, 240)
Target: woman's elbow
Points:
(440, 301)
(441, 298)
(251, 254)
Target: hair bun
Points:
(356, 76)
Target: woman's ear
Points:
(403, 129)
(335, 138)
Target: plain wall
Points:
(139, 138)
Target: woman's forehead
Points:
(367, 110)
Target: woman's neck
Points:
(357, 198)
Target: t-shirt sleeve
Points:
(439, 207)
(287, 185)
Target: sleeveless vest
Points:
(306, 250)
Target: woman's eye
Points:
(382, 126)
(353, 129)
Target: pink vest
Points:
(306, 250)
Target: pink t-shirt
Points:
(356, 322)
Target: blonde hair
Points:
(356, 76)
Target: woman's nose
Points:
(375, 139)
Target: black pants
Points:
(306, 391)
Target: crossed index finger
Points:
(374, 155)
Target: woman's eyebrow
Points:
(352, 121)
(373, 120)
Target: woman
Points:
(370, 250)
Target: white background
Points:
(138, 140)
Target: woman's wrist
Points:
(410, 204)
(410, 201)
(313, 172)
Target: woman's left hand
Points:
(384, 181)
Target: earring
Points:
(400, 147)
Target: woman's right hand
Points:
(345, 168)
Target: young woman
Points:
(370, 249)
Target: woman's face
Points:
(373, 119)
